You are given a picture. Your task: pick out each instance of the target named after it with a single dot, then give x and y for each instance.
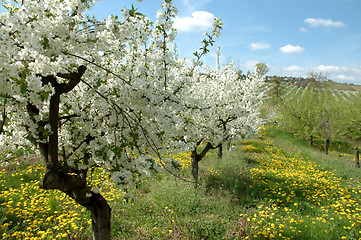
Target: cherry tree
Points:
(222, 106)
(86, 92)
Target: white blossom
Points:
(134, 98)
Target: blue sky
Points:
(292, 36)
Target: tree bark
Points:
(357, 162)
(74, 185)
(327, 145)
(195, 166)
(3, 121)
(229, 141)
(220, 151)
(311, 140)
(196, 158)
(101, 215)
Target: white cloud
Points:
(302, 29)
(250, 65)
(199, 22)
(292, 49)
(345, 78)
(259, 46)
(316, 22)
(294, 68)
(328, 68)
(335, 73)
(295, 71)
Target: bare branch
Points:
(95, 64)
(3, 120)
(86, 140)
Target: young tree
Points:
(262, 68)
(297, 112)
(275, 89)
(320, 112)
(348, 125)
(328, 114)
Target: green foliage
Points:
(262, 68)
(317, 112)
(297, 112)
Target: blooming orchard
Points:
(223, 106)
(110, 93)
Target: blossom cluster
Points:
(122, 98)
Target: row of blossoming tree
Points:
(84, 92)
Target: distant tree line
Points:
(315, 111)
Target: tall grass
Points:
(272, 187)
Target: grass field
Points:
(272, 187)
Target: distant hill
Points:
(298, 81)
(342, 86)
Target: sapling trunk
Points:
(327, 145)
(357, 162)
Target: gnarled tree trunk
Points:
(101, 215)
(75, 187)
(71, 181)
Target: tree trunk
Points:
(327, 144)
(196, 158)
(229, 144)
(100, 214)
(357, 163)
(195, 166)
(3, 121)
(220, 151)
(73, 182)
(74, 185)
(311, 140)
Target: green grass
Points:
(273, 187)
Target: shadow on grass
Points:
(238, 184)
(248, 193)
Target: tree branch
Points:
(95, 64)
(3, 120)
(74, 79)
(86, 140)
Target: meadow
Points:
(273, 187)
